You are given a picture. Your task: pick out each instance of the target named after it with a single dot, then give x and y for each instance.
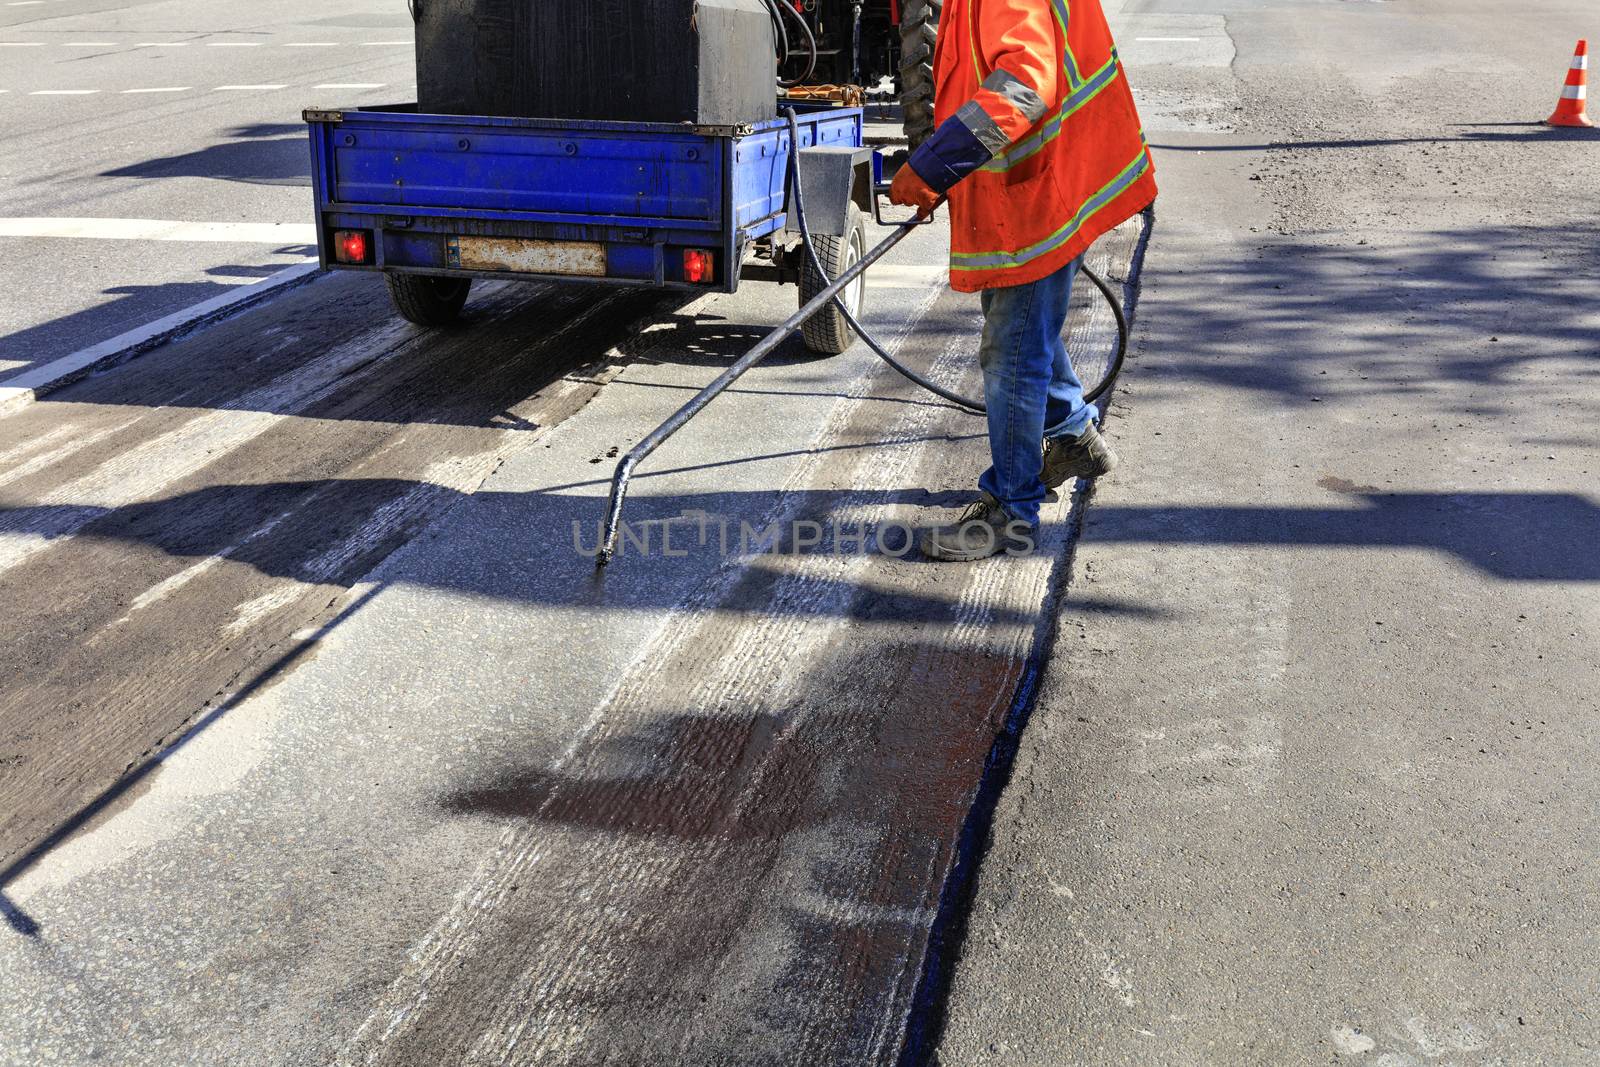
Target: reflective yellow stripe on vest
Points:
(1109, 192)
(1052, 125)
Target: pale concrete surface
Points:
(1311, 780)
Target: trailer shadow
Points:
(258, 154)
(515, 339)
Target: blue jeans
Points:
(1029, 387)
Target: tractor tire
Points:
(919, 28)
(827, 333)
(428, 299)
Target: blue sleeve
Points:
(952, 153)
(971, 137)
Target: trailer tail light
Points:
(351, 246)
(698, 265)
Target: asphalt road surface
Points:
(160, 111)
(446, 795)
(1313, 781)
(322, 742)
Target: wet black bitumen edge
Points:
(925, 1026)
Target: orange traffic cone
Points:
(1570, 109)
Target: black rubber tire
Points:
(827, 333)
(919, 28)
(428, 299)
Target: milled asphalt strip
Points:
(949, 930)
(23, 389)
(793, 621)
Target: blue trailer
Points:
(434, 201)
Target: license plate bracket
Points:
(526, 255)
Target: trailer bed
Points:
(604, 202)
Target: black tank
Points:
(709, 62)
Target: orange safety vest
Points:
(1062, 157)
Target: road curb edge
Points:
(22, 390)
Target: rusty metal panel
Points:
(529, 256)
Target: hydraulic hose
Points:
(811, 42)
(780, 36)
(832, 291)
(975, 407)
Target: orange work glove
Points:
(909, 190)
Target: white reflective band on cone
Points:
(1574, 92)
(1580, 62)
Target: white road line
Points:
(21, 44)
(24, 3)
(18, 392)
(64, 92)
(81, 439)
(167, 89)
(36, 444)
(246, 88)
(161, 230)
(350, 85)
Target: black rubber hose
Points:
(780, 36)
(811, 43)
(975, 407)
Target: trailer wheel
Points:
(428, 299)
(827, 333)
(919, 28)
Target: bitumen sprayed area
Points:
(697, 807)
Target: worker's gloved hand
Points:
(909, 190)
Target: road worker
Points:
(1039, 151)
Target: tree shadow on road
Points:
(1302, 321)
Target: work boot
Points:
(983, 529)
(1084, 456)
